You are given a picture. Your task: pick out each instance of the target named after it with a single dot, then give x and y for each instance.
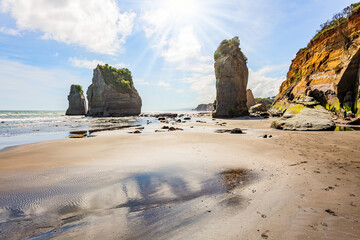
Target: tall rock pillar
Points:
(231, 80)
(77, 103)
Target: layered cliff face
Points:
(328, 69)
(112, 93)
(231, 80)
(77, 104)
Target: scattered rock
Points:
(140, 128)
(175, 129)
(308, 119)
(236, 131)
(331, 212)
(78, 135)
(260, 107)
(136, 132)
(187, 118)
(165, 127)
(159, 131)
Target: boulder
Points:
(112, 93)
(260, 107)
(77, 103)
(231, 80)
(250, 100)
(308, 119)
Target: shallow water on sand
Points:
(68, 202)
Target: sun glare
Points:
(181, 8)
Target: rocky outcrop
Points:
(260, 107)
(77, 103)
(328, 69)
(308, 119)
(112, 93)
(205, 107)
(231, 80)
(250, 100)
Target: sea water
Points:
(23, 127)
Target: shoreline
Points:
(157, 185)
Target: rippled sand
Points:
(192, 184)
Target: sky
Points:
(47, 45)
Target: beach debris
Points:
(159, 131)
(296, 164)
(140, 128)
(187, 118)
(165, 127)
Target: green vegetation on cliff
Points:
(79, 88)
(120, 79)
(225, 46)
(338, 19)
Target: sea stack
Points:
(112, 93)
(77, 103)
(231, 80)
(250, 100)
(327, 71)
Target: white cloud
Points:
(84, 63)
(182, 47)
(91, 64)
(29, 87)
(180, 91)
(96, 25)
(10, 31)
(140, 82)
(266, 81)
(163, 84)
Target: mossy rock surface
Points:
(120, 79)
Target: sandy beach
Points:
(191, 184)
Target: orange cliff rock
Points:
(327, 69)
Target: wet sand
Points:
(191, 184)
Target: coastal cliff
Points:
(77, 103)
(327, 70)
(231, 80)
(112, 93)
(204, 107)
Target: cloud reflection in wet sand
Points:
(153, 203)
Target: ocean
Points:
(23, 127)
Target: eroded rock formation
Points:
(112, 93)
(250, 100)
(328, 69)
(231, 80)
(77, 103)
(205, 107)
